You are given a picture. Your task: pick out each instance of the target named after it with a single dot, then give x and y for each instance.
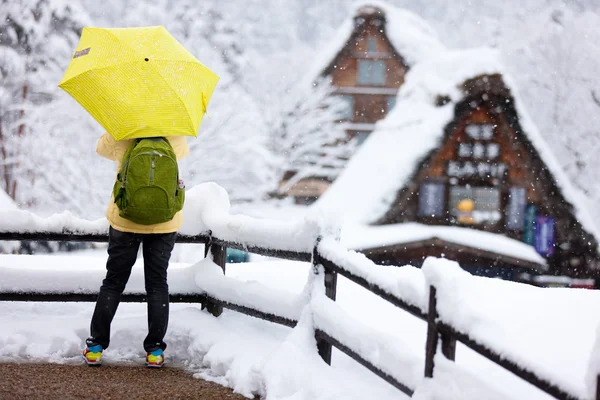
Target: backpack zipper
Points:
(155, 153)
(152, 167)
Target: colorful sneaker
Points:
(155, 359)
(93, 355)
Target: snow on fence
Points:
(428, 295)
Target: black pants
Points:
(122, 253)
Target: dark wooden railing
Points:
(438, 330)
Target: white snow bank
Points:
(452, 381)
(392, 354)
(406, 282)
(593, 372)
(361, 237)
(7, 205)
(79, 274)
(24, 221)
(206, 209)
(534, 327)
(209, 276)
(256, 357)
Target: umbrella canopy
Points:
(139, 82)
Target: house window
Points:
(479, 150)
(432, 199)
(347, 113)
(371, 72)
(361, 136)
(515, 210)
(475, 205)
(391, 102)
(372, 44)
(480, 131)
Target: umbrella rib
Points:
(180, 100)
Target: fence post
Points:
(598, 387)
(448, 346)
(218, 254)
(323, 347)
(432, 334)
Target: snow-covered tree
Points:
(307, 137)
(36, 42)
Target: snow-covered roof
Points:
(365, 190)
(412, 37)
(360, 237)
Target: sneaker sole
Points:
(92, 363)
(154, 366)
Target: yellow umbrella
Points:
(139, 82)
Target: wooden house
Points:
(366, 67)
(466, 176)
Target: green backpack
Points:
(148, 190)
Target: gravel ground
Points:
(67, 382)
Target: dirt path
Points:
(67, 382)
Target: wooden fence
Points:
(440, 333)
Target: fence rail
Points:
(437, 330)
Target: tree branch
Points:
(595, 98)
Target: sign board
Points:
(431, 199)
(529, 225)
(515, 211)
(544, 235)
(482, 169)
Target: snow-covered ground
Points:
(550, 329)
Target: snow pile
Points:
(210, 279)
(521, 322)
(81, 274)
(206, 209)
(391, 354)
(593, 373)
(7, 205)
(406, 283)
(256, 357)
(22, 221)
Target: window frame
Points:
(428, 217)
(367, 66)
(371, 40)
(474, 186)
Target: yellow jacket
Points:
(114, 150)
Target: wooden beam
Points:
(91, 297)
(443, 245)
(218, 254)
(431, 342)
(323, 346)
(68, 236)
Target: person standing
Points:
(124, 240)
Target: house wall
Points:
(370, 102)
(368, 108)
(574, 253)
